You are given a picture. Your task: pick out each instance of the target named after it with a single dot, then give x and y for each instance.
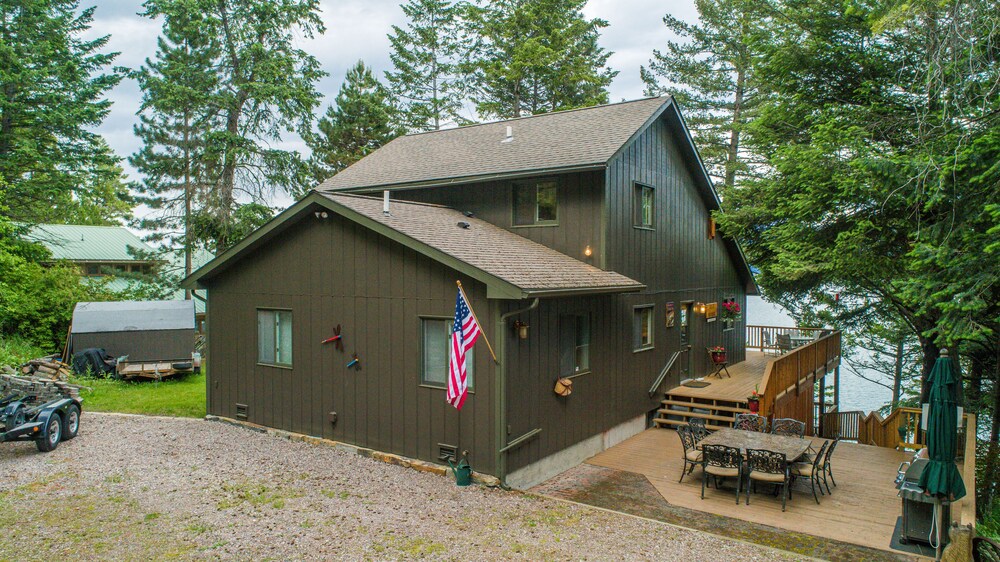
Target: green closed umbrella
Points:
(940, 477)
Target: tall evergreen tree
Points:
(265, 86)
(535, 56)
(53, 86)
(174, 121)
(711, 75)
(361, 120)
(425, 77)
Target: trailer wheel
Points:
(72, 423)
(54, 432)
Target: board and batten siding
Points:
(329, 272)
(676, 260)
(578, 200)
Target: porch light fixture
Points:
(699, 307)
(521, 329)
(588, 251)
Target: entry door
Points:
(687, 360)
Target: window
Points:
(574, 344)
(642, 326)
(274, 337)
(644, 206)
(436, 348)
(535, 203)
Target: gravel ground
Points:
(151, 488)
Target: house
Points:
(584, 241)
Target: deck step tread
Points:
(661, 421)
(686, 414)
(703, 406)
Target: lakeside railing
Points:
(787, 386)
(765, 338)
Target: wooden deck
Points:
(745, 376)
(862, 509)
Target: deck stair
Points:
(717, 413)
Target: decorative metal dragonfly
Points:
(355, 362)
(337, 339)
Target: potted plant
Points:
(753, 401)
(731, 310)
(718, 354)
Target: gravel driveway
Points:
(151, 488)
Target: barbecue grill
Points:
(918, 509)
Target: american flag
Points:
(463, 337)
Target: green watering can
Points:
(462, 470)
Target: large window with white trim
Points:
(535, 202)
(274, 337)
(435, 351)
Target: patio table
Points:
(799, 341)
(793, 447)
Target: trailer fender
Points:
(54, 408)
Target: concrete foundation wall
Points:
(569, 457)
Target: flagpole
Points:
(481, 330)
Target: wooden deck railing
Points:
(765, 338)
(787, 386)
(900, 428)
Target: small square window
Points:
(645, 205)
(574, 343)
(435, 353)
(274, 337)
(643, 327)
(535, 203)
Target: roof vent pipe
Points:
(510, 134)
(385, 202)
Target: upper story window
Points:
(535, 202)
(574, 344)
(436, 352)
(645, 206)
(274, 337)
(642, 327)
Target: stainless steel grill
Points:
(918, 509)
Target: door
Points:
(687, 360)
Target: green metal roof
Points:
(87, 243)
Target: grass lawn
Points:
(182, 396)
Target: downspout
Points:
(501, 385)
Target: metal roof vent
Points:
(463, 224)
(510, 134)
(385, 202)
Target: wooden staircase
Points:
(717, 413)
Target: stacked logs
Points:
(47, 367)
(43, 389)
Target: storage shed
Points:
(143, 330)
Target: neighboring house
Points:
(99, 250)
(591, 227)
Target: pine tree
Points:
(265, 86)
(53, 86)
(535, 56)
(425, 54)
(174, 122)
(361, 120)
(711, 76)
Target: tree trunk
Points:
(897, 375)
(734, 135)
(930, 352)
(986, 493)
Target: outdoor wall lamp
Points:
(699, 307)
(522, 329)
(588, 251)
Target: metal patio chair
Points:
(698, 429)
(811, 470)
(784, 342)
(788, 426)
(722, 462)
(771, 467)
(692, 456)
(827, 466)
(751, 422)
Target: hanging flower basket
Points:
(731, 310)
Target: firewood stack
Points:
(48, 368)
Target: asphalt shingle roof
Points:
(500, 253)
(87, 243)
(539, 143)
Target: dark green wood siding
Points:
(579, 209)
(328, 272)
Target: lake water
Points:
(855, 392)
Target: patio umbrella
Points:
(940, 477)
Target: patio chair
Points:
(827, 465)
(722, 462)
(771, 467)
(751, 422)
(784, 343)
(766, 345)
(698, 429)
(692, 456)
(812, 471)
(788, 426)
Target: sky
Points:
(358, 29)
